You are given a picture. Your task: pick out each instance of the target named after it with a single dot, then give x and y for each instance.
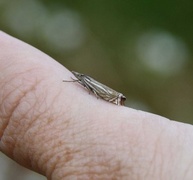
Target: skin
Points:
(59, 130)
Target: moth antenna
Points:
(73, 80)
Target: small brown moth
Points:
(100, 90)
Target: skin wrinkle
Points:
(37, 114)
(15, 124)
(40, 131)
(70, 172)
(43, 141)
(97, 164)
(43, 162)
(39, 134)
(52, 148)
(59, 129)
(23, 115)
(22, 90)
(31, 153)
(7, 115)
(20, 99)
(101, 169)
(93, 146)
(16, 101)
(68, 153)
(71, 152)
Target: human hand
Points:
(60, 131)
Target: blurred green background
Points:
(140, 48)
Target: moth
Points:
(99, 89)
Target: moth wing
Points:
(101, 90)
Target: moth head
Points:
(78, 75)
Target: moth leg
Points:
(86, 86)
(82, 83)
(91, 90)
(73, 80)
(96, 94)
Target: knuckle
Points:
(17, 101)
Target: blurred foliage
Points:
(140, 48)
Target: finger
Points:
(56, 129)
